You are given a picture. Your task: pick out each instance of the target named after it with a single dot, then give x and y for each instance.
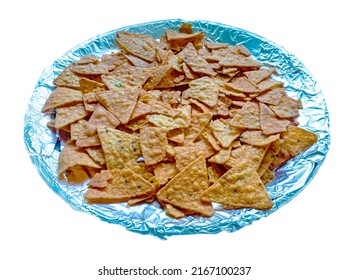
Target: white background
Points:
(42, 237)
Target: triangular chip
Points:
(184, 189)
(286, 108)
(124, 185)
(153, 143)
(244, 85)
(271, 153)
(225, 133)
(156, 77)
(67, 78)
(204, 90)
(119, 102)
(257, 76)
(198, 124)
(270, 124)
(93, 68)
(71, 156)
(272, 97)
(257, 138)
(102, 117)
(248, 116)
(238, 60)
(87, 85)
(296, 140)
(239, 187)
(61, 97)
(178, 40)
(254, 154)
(140, 46)
(198, 64)
(70, 114)
(180, 121)
(119, 147)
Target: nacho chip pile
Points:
(180, 120)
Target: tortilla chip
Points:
(225, 133)
(198, 64)
(267, 85)
(244, 85)
(124, 185)
(267, 176)
(120, 103)
(97, 154)
(238, 60)
(204, 90)
(272, 97)
(296, 140)
(239, 187)
(156, 77)
(67, 78)
(102, 117)
(93, 68)
(158, 107)
(184, 189)
(61, 97)
(180, 121)
(173, 211)
(165, 171)
(119, 147)
(247, 117)
(257, 138)
(198, 124)
(88, 85)
(177, 40)
(153, 143)
(254, 154)
(139, 46)
(69, 114)
(286, 108)
(71, 156)
(222, 156)
(257, 76)
(271, 153)
(186, 154)
(176, 135)
(215, 171)
(270, 124)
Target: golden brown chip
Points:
(173, 211)
(198, 124)
(177, 40)
(69, 114)
(222, 156)
(204, 90)
(184, 189)
(100, 180)
(185, 155)
(124, 185)
(102, 117)
(120, 103)
(225, 133)
(257, 76)
(67, 78)
(156, 77)
(267, 85)
(254, 154)
(119, 147)
(247, 117)
(180, 121)
(198, 64)
(239, 187)
(267, 176)
(270, 124)
(286, 108)
(238, 60)
(153, 143)
(97, 154)
(88, 85)
(140, 46)
(296, 140)
(62, 97)
(271, 153)
(242, 84)
(257, 138)
(272, 97)
(165, 171)
(70, 157)
(215, 171)
(92, 68)
(176, 135)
